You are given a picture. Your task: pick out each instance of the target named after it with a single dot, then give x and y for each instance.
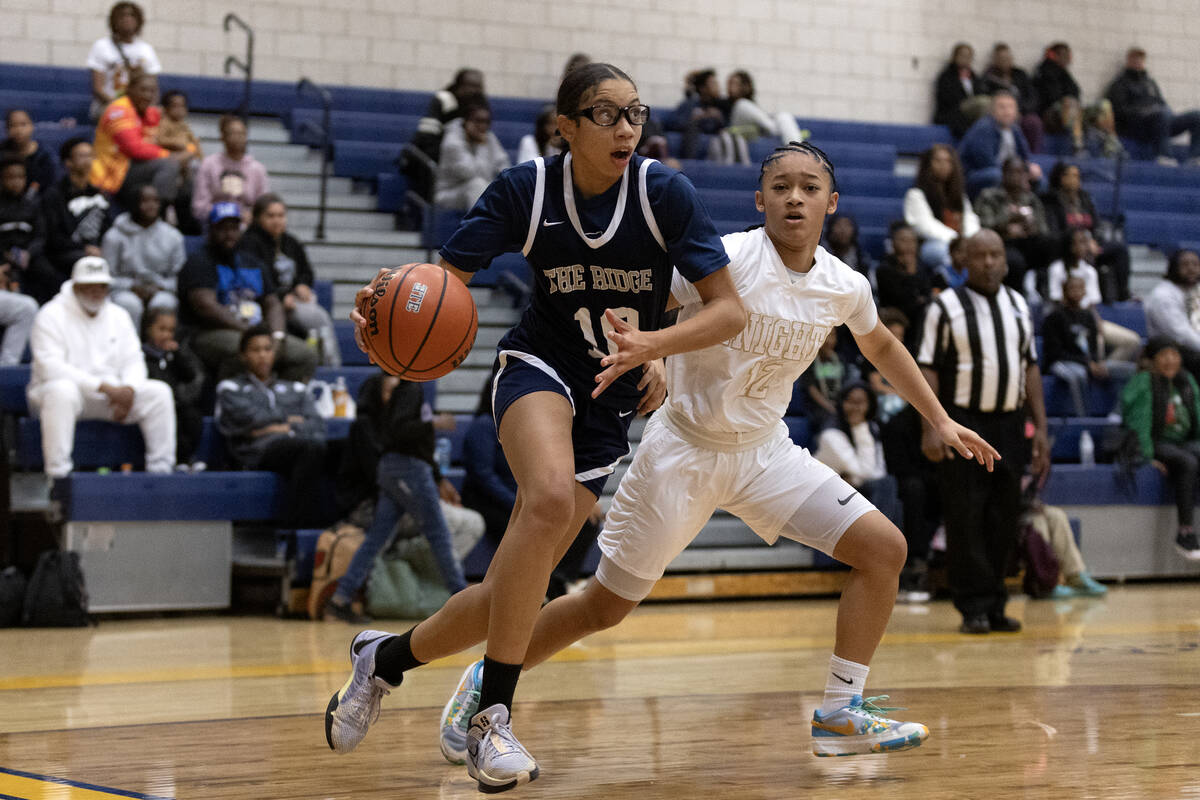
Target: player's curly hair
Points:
(133, 8)
(806, 149)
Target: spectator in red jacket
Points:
(126, 154)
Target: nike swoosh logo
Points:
(839, 677)
(623, 414)
(548, 224)
(847, 728)
(358, 646)
(842, 503)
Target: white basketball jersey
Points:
(745, 384)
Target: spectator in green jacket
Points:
(1162, 406)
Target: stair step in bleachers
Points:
(907, 139)
(368, 126)
(1164, 230)
(302, 221)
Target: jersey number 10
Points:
(584, 317)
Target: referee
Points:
(977, 353)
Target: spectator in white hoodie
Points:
(145, 255)
(88, 364)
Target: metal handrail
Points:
(308, 85)
(246, 66)
(429, 208)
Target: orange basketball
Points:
(421, 322)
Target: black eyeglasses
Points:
(606, 115)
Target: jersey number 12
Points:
(584, 317)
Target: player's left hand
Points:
(360, 297)
(633, 347)
(653, 386)
(967, 443)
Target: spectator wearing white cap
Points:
(88, 364)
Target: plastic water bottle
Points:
(314, 340)
(441, 454)
(1087, 449)
(341, 398)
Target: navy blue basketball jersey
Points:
(615, 250)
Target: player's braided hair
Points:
(806, 149)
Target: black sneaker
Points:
(1188, 545)
(1002, 624)
(345, 612)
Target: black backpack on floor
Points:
(12, 597)
(56, 597)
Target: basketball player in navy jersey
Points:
(719, 441)
(602, 228)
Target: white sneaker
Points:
(456, 716)
(495, 759)
(355, 706)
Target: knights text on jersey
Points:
(745, 384)
(615, 250)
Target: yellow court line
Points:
(35, 789)
(593, 652)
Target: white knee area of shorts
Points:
(821, 520)
(621, 582)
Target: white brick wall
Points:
(864, 59)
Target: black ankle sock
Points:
(498, 684)
(395, 657)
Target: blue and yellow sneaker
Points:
(1085, 584)
(861, 728)
(456, 716)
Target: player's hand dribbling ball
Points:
(421, 322)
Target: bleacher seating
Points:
(369, 126)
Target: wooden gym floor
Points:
(1096, 699)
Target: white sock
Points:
(845, 680)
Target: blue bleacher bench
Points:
(100, 443)
(1102, 397)
(908, 139)
(1065, 432)
(13, 380)
(1129, 314)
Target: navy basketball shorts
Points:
(599, 435)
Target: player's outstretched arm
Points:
(896, 365)
(721, 318)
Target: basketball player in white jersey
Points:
(719, 441)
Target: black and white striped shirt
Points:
(979, 346)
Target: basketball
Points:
(421, 322)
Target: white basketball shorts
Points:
(673, 487)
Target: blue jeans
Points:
(1077, 376)
(405, 484)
